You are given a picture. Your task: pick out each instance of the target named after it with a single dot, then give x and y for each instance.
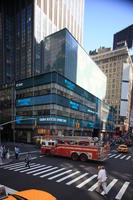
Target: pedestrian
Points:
(3, 151)
(102, 177)
(28, 160)
(16, 152)
(8, 154)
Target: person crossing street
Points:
(28, 160)
(102, 177)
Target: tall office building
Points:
(65, 99)
(125, 35)
(23, 26)
(117, 66)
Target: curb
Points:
(5, 162)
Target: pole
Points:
(73, 127)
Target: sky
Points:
(103, 18)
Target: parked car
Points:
(122, 148)
(31, 194)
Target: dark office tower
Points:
(6, 41)
(16, 28)
(122, 36)
(23, 26)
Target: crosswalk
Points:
(79, 179)
(120, 156)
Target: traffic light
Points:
(77, 124)
(35, 123)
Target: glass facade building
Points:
(54, 76)
(63, 54)
(59, 106)
(50, 97)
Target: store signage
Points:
(74, 105)
(19, 85)
(69, 84)
(52, 119)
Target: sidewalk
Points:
(22, 146)
(5, 161)
(23, 149)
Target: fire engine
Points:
(76, 148)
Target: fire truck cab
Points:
(82, 148)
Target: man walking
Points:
(102, 177)
(16, 152)
(28, 160)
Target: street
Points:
(67, 179)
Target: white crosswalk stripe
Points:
(122, 190)
(118, 156)
(9, 167)
(76, 179)
(42, 171)
(31, 168)
(21, 168)
(16, 167)
(93, 187)
(123, 157)
(110, 185)
(128, 157)
(53, 172)
(112, 156)
(53, 177)
(42, 167)
(86, 181)
(33, 158)
(66, 177)
(45, 171)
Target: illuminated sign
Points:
(91, 124)
(58, 120)
(52, 119)
(18, 119)
(74, 105)
(69, 84)
(23, 102)
(19, 85)
(90, 111)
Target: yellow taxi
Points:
(31, 194)
(122, 148)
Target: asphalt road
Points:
(68, 180)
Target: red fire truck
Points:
(83, 148)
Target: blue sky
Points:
(103, 18)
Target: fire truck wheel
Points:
(74, 156)
(83, 157)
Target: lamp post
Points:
(13, 108)
(73, 127)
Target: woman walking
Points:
(102, 177)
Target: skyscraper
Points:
(117, 66)
(125, 35)
(23, 27)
